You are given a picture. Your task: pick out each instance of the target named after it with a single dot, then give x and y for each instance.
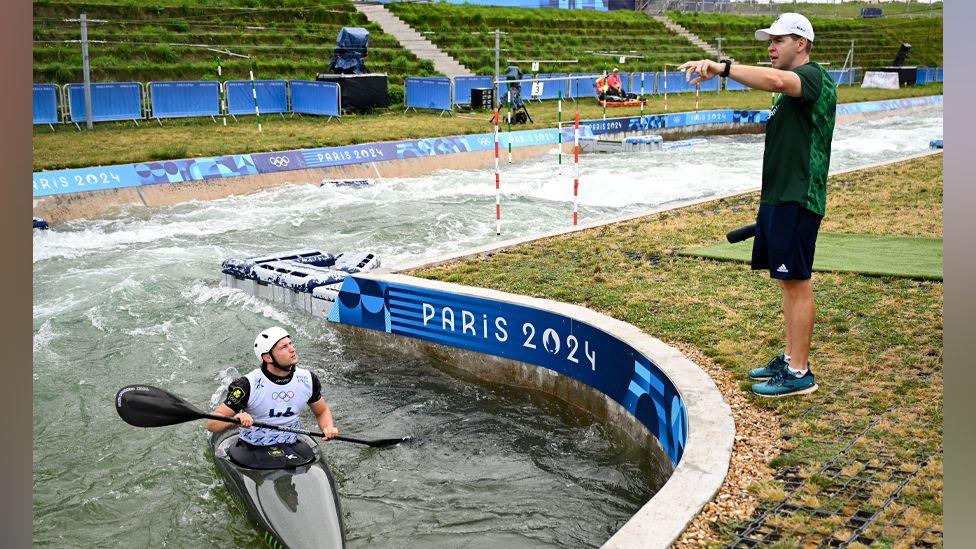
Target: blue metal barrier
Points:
(924, 75)
(551, 86)
(585, 87)
(272, 96)
(938, 74)
(649, 83)
(464, 84)
(428, 93)
(732, 85)
(46, 104)
(184, 99)
(109, 100)
(320, 98)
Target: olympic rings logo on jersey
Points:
(284, 396)
(279, 161)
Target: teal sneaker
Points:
(786, 384)
(776, 365)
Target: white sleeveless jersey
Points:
(276, 404)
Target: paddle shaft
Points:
(287, 429)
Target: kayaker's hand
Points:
(329, 432)
(245, 418)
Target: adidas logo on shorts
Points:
(782, 269)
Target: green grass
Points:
(875, 337)
(466, 32)
(121, 142)
(876, 41)
(146, 42)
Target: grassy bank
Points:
(119, 143)
(863, 458)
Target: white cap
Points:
(787, 23)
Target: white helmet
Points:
(267, 339)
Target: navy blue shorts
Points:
(786, 238)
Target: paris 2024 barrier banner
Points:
(67, 181)
(525, 334)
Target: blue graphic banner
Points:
(109, 101)
(675, 120)
(194, 169)
(524, 334)
(84, 179)
(45, 104)
(272, 96)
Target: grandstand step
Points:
(412, 40)
(692, 37)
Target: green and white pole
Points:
(559, 119)
(220, 91)
(254, 93)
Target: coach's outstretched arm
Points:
(759, 78)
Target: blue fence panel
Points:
(46, 104)
(675, 83)
(109, 100)
(321, 98)
(464, 84)
(650, 79)
(184, 99)
(938, 74)
(585, 87)
(732, 85)
(551, 86)
(428, 93)
(272, 96)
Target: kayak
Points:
(287, 490)
(628, 103)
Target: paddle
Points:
(147, 406)
(740, 234)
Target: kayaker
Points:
(275, 392)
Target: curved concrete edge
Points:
(711, 429)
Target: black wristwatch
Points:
(728, 66)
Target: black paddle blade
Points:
(740, 234)
(147, 406)
(379, 443)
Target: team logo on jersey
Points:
(236, 394)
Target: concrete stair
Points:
(692, 37)
(411, 40)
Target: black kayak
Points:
(287, 490)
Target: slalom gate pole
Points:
(254, 94)
(576, 127)
(508, 102)
(498, 185)
(641, 98)
(697, 95)
(559, 118)
(220, 91)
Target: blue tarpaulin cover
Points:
(350, 51)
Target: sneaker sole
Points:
(806, 391)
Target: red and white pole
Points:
(576, 148)
(498, 184)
